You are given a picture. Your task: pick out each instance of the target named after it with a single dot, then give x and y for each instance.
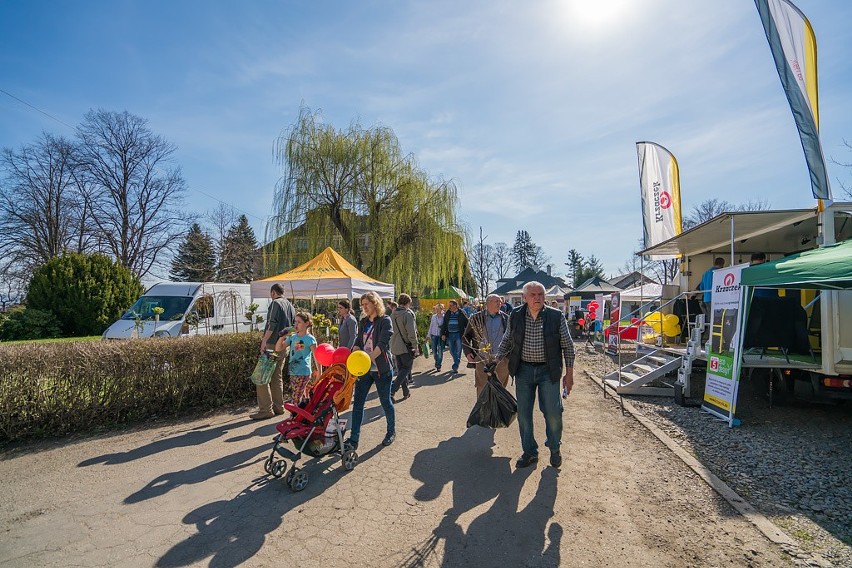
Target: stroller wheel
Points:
(299, 480)
(278, 468)
(267, 465)
(349, 459)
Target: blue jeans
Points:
(528, 379)
(437, 350)
(362, 389)
(454, 342)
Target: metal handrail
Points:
(618, 328)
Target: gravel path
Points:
(790, 462)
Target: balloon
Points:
(581, 321)
(634, 320)
(358, 363)
(341, 354)
(671, 319)
(324, 354)
(593, 306)
(671, 330)
(593, 315)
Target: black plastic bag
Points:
(495, 407)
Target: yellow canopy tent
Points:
(326, 276)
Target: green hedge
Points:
(52, 389)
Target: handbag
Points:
(425, 349)
(263, 370)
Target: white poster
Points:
(723, 357)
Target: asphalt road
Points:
(194, 493)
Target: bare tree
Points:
(846, 188)
(220, 219)
(44, 205)
(710, 208)
(502, 260)
(137, 212)
(481, 263)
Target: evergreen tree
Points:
(594, 268)
(575, 267)
(523, 251)
(195, 260)
(85, 292)
(239, 254)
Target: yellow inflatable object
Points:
(358, 363)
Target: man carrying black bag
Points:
(537, 343)
(495, 406)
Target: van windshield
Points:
(174, 307)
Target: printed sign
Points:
(723, 366)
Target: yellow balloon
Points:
(652, 318)
(671, 319)
(671, 330)
(358, 363)
(656, 326)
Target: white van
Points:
(188, 308)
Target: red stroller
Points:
(315, 429)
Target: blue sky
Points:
(532, 108)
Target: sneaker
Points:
(556, 458)
(261, 415)
(350, 444)
(389, 439)
(411, 382)
(526, 461)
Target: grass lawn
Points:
(55, 340)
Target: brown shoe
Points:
(261, 415)
(278, 411)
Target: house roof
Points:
(594, 285)
(528, 275)
(624, 280)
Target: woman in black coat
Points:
(374, 333)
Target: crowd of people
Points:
(530, 343)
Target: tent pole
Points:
(732, 240)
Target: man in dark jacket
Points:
(403, 344)
(537, 343)
(481, 338)
(455, 322)
(281, 315)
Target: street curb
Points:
(743, 507)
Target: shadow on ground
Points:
(193, 437)
(502, 534)
(230, 532)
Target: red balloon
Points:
(593, 306)
(593, 315)
(581, 321)
(324, 354)
(340, 355)
(634, 320)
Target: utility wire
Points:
(7, 93)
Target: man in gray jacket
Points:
(347, 329)
(281, 315)
(403, 344)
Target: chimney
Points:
(549, 267)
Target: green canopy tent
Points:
(826, 268)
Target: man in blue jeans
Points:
(537, 343)
(455, 322)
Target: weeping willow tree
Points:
(356, 190)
